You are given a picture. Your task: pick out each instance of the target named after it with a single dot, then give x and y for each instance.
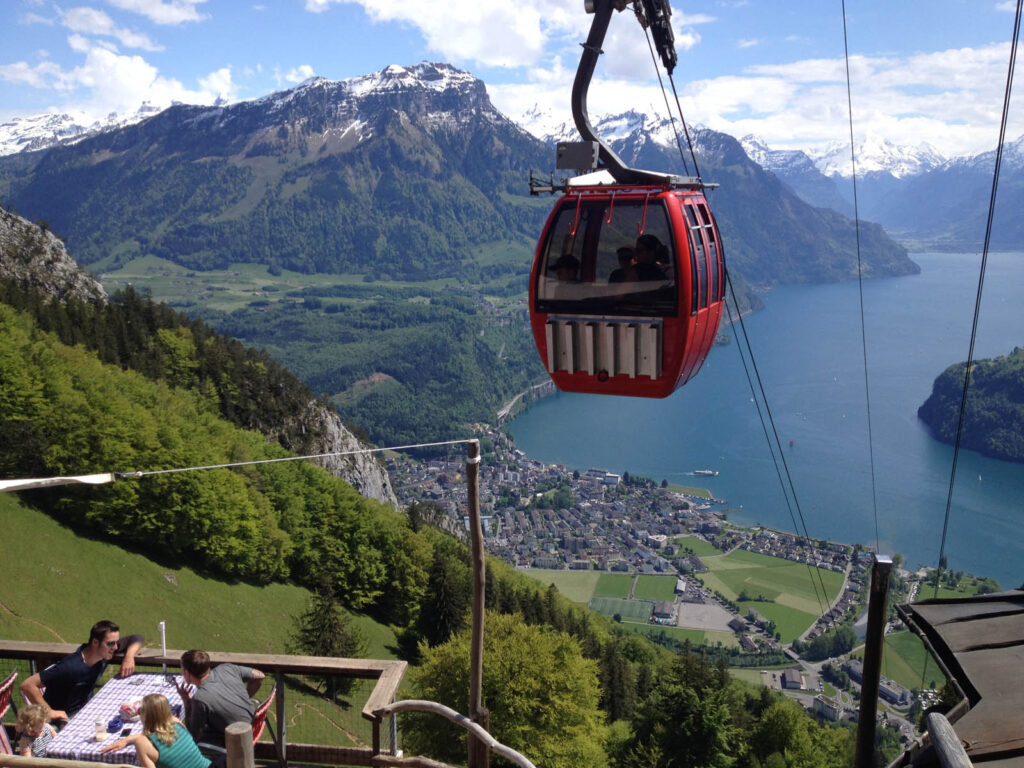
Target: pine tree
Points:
(326, 629)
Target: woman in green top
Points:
(164, 741)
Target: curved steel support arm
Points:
(607, 159)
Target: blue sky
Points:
(922, 70)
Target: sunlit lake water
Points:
(807, 346)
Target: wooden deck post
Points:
(238, 740)
(478, 752)
(280, 710)
(872, 671)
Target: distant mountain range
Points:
(407, 173)
(30, 134)
(917, 194)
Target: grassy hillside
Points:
(58, 584)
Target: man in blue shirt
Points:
(64, 687)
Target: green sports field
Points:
(655, 587)
(695, 636)
(635, 610)
(578, 586)
(613, 585)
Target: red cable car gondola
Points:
(628, 278)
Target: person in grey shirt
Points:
(223, 696)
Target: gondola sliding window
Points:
(714, 252)
(699, 298)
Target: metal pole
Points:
(478, 752)
(872, 661)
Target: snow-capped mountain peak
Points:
(26, 134)
(874, 154)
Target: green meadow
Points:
(56, 585)
(905, 659)
(689, 490)
(700, 547)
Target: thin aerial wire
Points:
(860, 286)
(668, 109)
(689, 142)
(288, 458)
(822, 598)
(1015, 38)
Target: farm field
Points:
(655, 587)
(788, 585)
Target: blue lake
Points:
(807, 347)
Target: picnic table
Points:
(77, 740)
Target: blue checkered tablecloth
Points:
(77, 740)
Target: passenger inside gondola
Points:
(648, 249)
(626, 272)
(607, 274)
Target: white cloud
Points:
(107, 81)
(486, 33)
(690, 19)
(35, 18)
(748, 43)
(298, 74)
(950, 99)
(89, 21)
(221, 84)
(1007, 5)
(24, 73)
(162, 11)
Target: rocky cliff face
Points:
(319, 430)
(36, 258)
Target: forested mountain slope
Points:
(250, 389)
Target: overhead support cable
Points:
(860, 285)
(821, 597)
(109, 477)
(1014, 42)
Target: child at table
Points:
(164, 741)
(34, 730)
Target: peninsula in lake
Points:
(994, 418)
